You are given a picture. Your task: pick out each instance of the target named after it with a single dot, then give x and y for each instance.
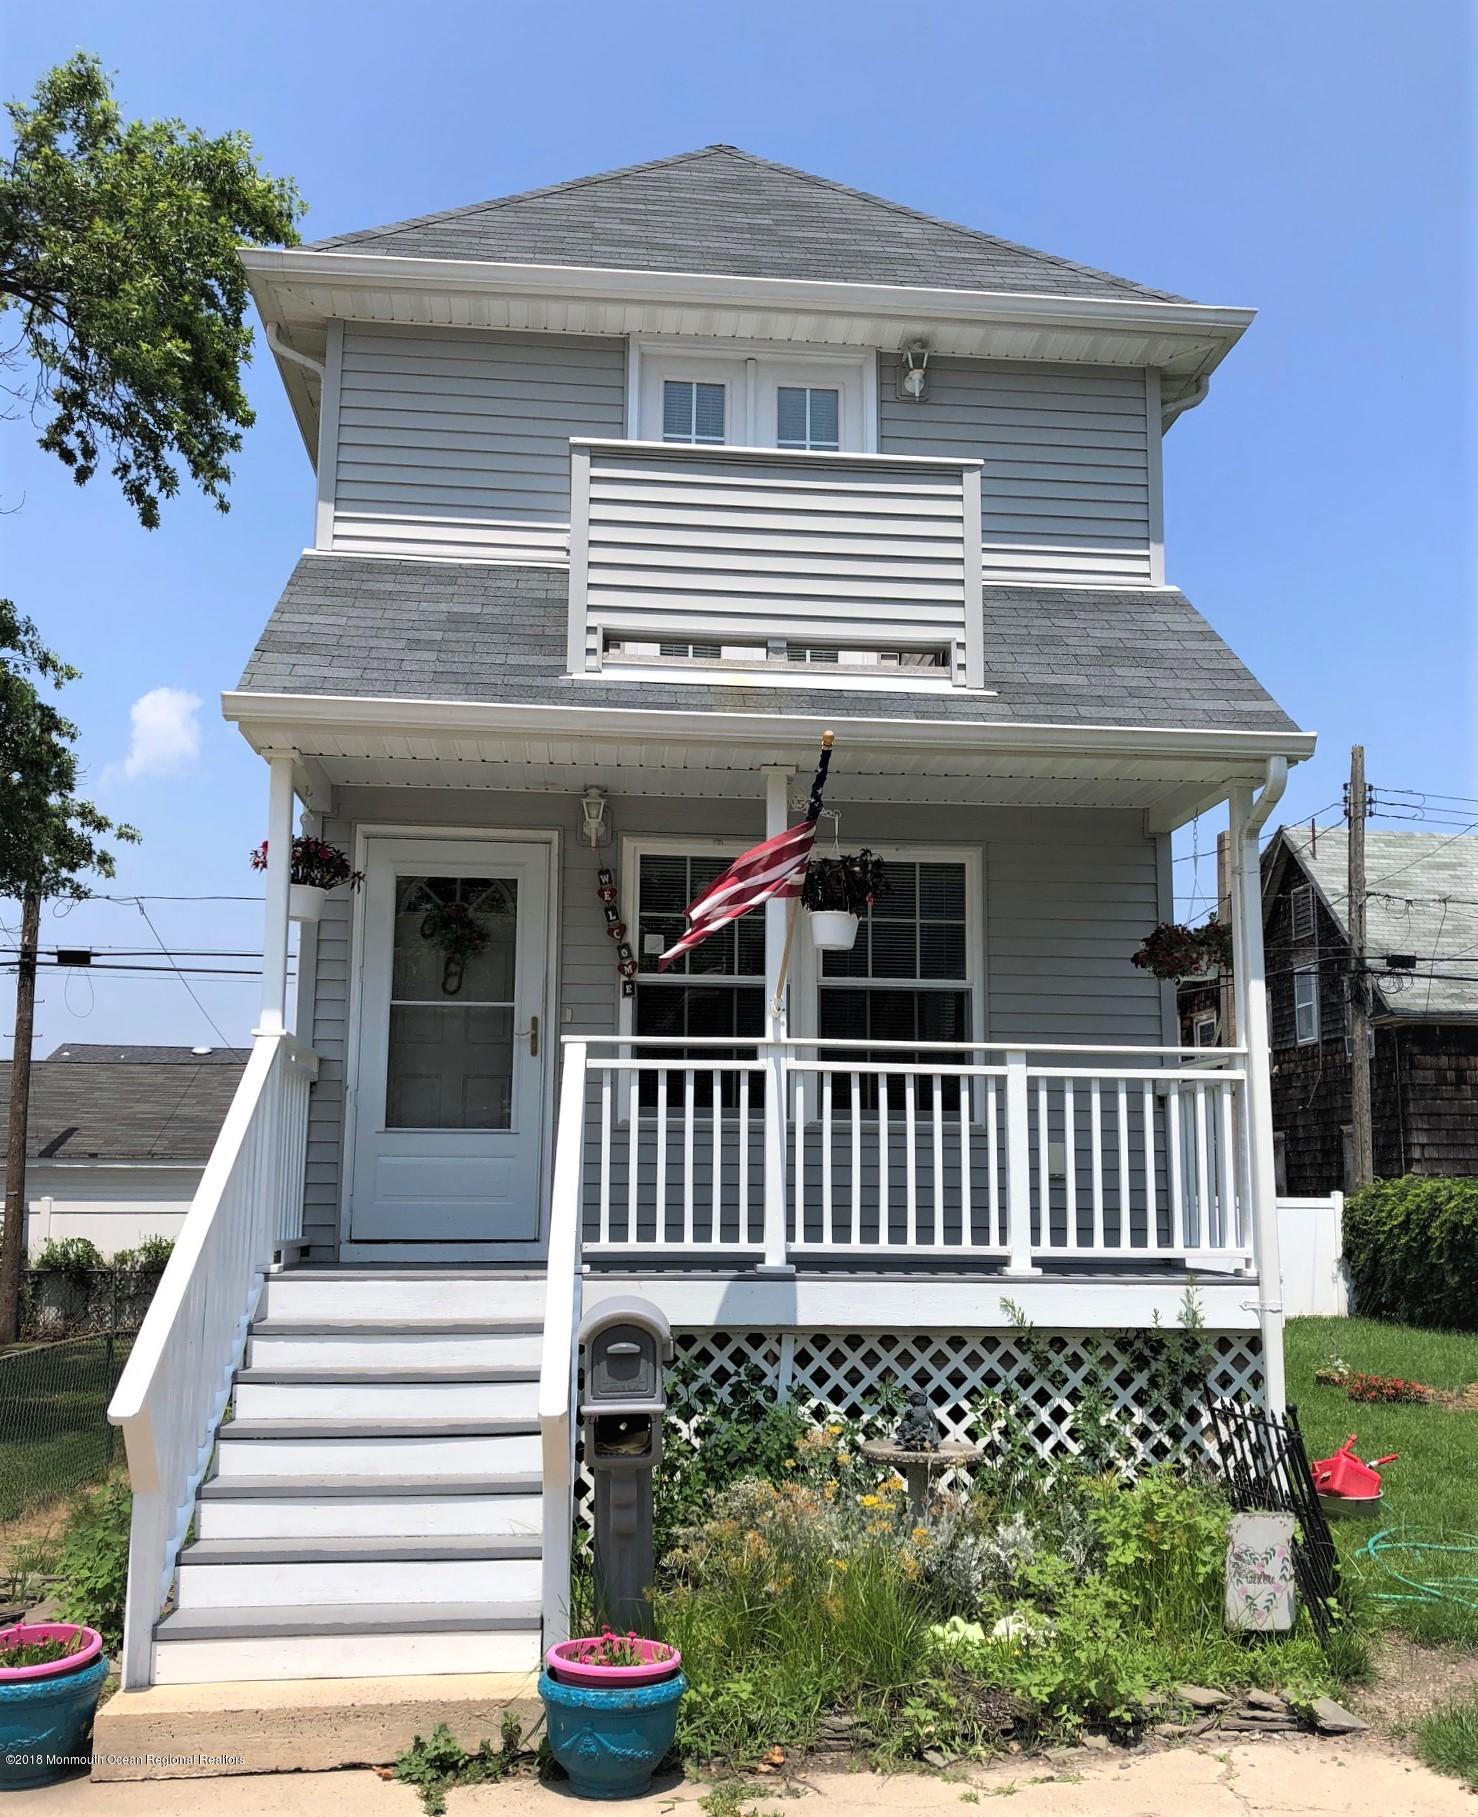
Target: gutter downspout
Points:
(284, 352)
(1196, 395)
(1249, 982)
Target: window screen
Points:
(808, 416)
(692, 412)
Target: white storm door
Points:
(453, 1043)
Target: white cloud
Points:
(166, 735)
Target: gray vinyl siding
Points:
(455, 443)
(1067, 897)
(1065, 488)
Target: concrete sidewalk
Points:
(1294, 1777)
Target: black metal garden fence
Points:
(77, 1328)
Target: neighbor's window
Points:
(1205, 1029)
(907, 979)
(692, 412)
(717, 989)
(808, 416)
(1306, 1004)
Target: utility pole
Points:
(1355, 811)
(12, 1232)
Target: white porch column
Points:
(1250, 990)
(777, 780)
(279, 877)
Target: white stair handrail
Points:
(175, 1384)
(558, 1362)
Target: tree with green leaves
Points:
(120, 275)
(49, 842)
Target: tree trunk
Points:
(12, 1231)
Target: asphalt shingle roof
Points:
(723, 211)
(1423, 899)
(150, 1104)
(420, 630)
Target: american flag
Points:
(775, 869)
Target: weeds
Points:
(433, 1766)
(1447, 1739)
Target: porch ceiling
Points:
(1167, 775)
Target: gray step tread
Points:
(347, 1376)
(364, 1488)
(395, 1328)
(348, 1618)
(251, 1431)
(355, 1550)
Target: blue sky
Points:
(1313, 160)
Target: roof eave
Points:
(269, 715)
(1194, 337)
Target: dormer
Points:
(769, 424)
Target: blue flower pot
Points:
(46, 1725)
(611, 1742)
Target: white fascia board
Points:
(347, 269)
(418, 718)
(820, 1302)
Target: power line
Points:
(139, 905)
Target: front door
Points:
(449, 1103)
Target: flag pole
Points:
(828, 739)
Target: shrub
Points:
(93, 1561)
(1384, 1388)
(74, 1257)
(1412, 1250)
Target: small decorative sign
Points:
(1260, 1574)
(605, 889)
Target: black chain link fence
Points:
(77, 1329)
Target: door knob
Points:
(531, 1033)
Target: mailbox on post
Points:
(626, 1343)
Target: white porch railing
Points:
(1024, 1155)
(174, 1387)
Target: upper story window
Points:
(808, 416)
(1306, 1005)
(692, 412)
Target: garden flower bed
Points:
(810, 1606)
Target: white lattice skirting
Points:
(837, 1373)
(843, 1374)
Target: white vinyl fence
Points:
(1311, 1245)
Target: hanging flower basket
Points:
(837, 892)
(317, 868)
(1174, 951)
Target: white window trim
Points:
(750, 370)
(1311, 972)
(802, 1007)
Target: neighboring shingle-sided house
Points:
(1421, 945)
(118, 1137)
(625, 491)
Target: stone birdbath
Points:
(919, 1454)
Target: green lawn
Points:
(54, 1433)
(1431, 1494)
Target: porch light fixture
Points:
(913, 373)
(595, 832)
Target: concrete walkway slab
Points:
(1293, 1777)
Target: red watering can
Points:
(1344, 1474)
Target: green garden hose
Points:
(1380, 1545)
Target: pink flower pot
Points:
(30, 1634)
(659, 1661)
